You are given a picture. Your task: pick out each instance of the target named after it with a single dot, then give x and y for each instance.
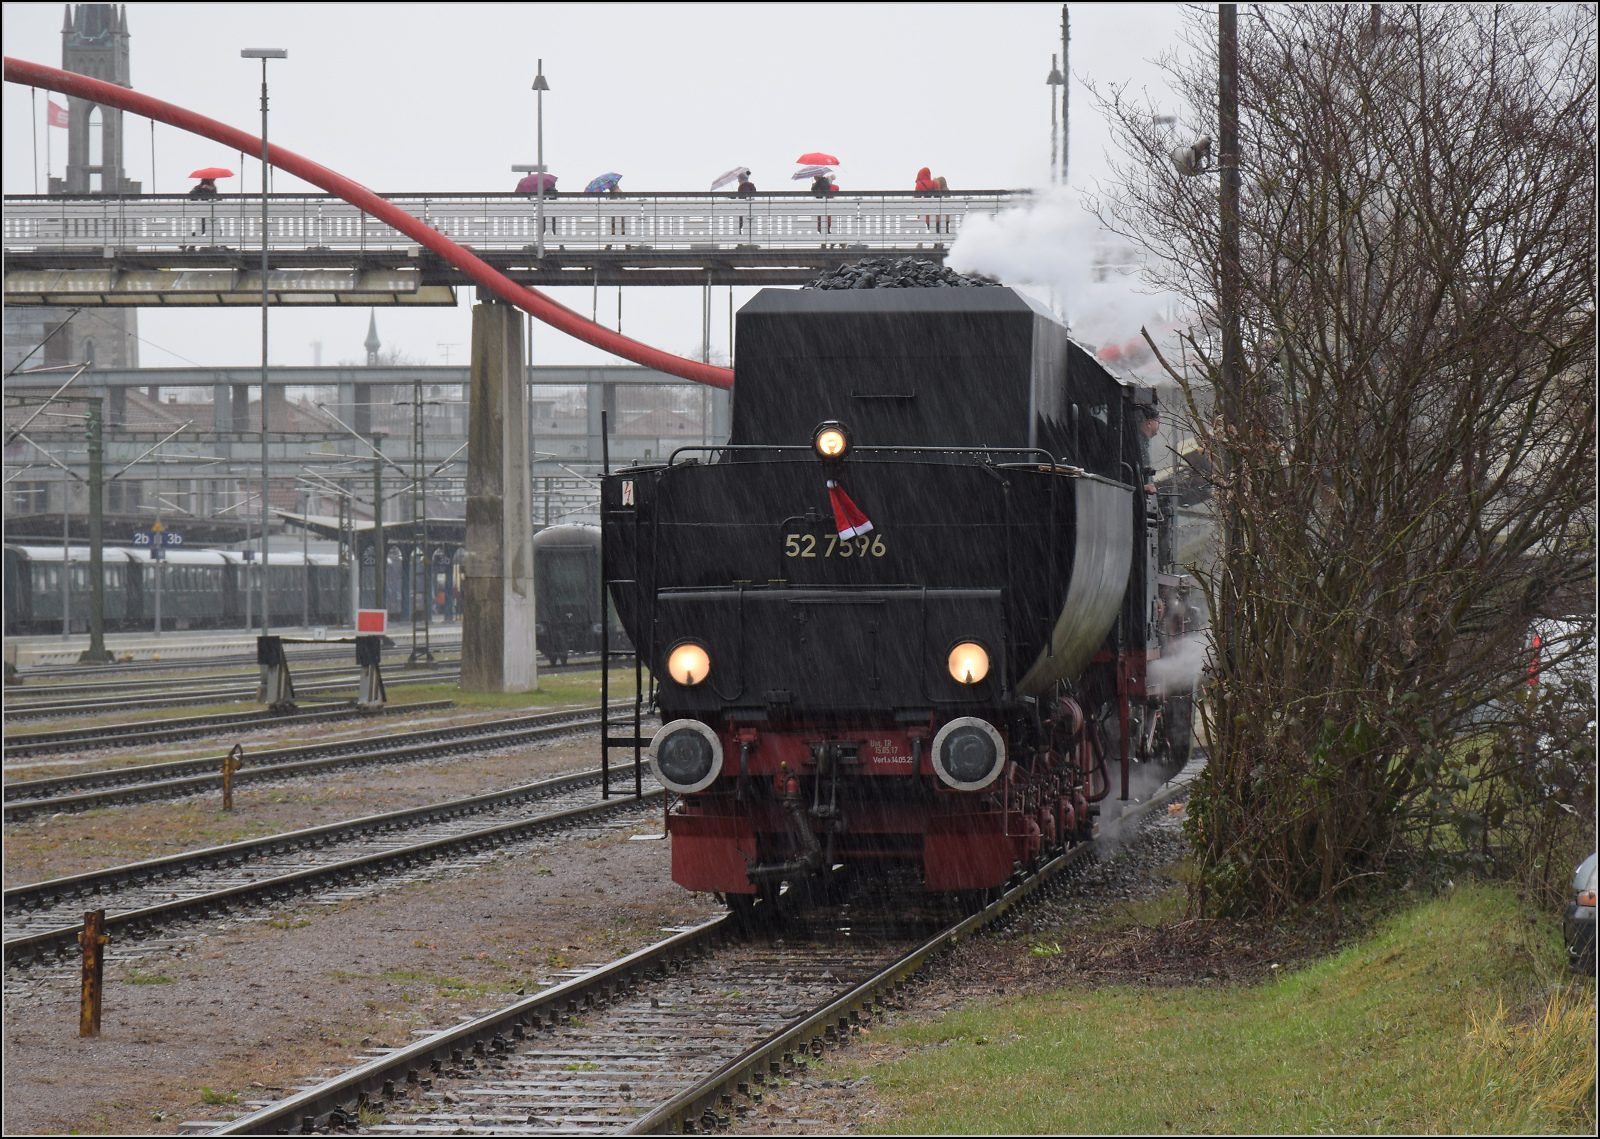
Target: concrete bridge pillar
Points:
(497, 632)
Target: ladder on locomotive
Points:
(621, 515)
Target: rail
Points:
(37, 941)
(496, 223)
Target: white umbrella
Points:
(812, 172)
(734, 175)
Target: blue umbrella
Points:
(603, 184)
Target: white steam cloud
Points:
(1179, 667)
(1055, 245)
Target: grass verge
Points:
(1407, 1031)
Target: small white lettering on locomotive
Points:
(888, 753)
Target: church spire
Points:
(373, 343)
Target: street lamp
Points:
(539, 87)
(264, 54)
(1053, 80)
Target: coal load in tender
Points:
(906, 273)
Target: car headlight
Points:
(686, 756)
(688, 664)
(969, 662)
(968, 753)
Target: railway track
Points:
(336, 651)
(146, 897)
(37, 709)
(21, 745)
(110, 690)
(28, 798)
(30, 678)
(678, 1037)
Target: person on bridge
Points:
(925, 188)
(822, 187)
(530, 183)
(206, 188)
(747, 189)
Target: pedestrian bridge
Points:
(181, 251)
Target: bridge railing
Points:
(500, 222)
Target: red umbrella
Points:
(817, 158)
(212, 172)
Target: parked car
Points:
(1578, 926)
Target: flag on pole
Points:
(847, 516)
(58, 115)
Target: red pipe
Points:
(529, 300)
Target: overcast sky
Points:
(436, 97)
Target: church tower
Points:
(94, 42)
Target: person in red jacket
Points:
(926, 188)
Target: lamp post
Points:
(1053, 80)
(264, 54)
(1066, 91)
(539, 88)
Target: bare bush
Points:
(1407, 465)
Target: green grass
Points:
(1407, 1031)
(555, 690)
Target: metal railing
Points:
(500, 222)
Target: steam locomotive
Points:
(904, 620)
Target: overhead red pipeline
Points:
(530, 300)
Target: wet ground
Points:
(396, 722)
(1121, 922)
(263, 1005)
(260, 1007)
(56, 846)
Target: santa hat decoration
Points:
(847, 516)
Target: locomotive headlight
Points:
(969, 662)
(686, 756)
(831, 439)
(968, 753)
(688, 664)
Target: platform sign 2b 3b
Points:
(157, 540)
